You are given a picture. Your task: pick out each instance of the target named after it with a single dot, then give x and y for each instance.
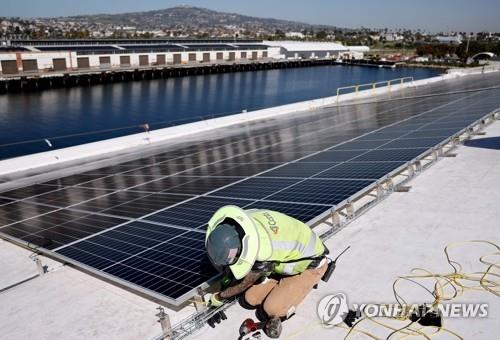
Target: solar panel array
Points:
(130, 48)
(142, 223)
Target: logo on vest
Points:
(272, 222)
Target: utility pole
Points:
(467, 48)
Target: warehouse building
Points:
(70, 55)
(49, 56)
(314, 50)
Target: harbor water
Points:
(41, 121)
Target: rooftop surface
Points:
(454, 200)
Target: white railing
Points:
(374, 85)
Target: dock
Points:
(42, 80)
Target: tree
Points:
(321, 35)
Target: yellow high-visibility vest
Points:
(270, 236)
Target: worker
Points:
(275, 259)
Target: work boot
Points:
(273, 327)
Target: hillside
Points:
(193, 17)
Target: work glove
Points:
(215, 300)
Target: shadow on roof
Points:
(485, 143)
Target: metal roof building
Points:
(313, 49)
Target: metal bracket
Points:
(380, 190)
(439, 152)
(42, 270)
(199, 301)
(418, 166)
(166, 326)
(349, 209)
(411, 171)
(390, 184)
(335, 218)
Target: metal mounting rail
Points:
(374, 85)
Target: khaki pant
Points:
(280, 298)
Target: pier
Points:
(42, 80)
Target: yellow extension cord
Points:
(455, 283)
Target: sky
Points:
(430, 15)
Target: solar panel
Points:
(302, 212)
(73, 180)
(170, 262)
(131, 204)
(432, 133)
(413, 143)
(29, 191)
(320, 191)
(5, 201)
(142, 222)
(193, 213)
(333, 156)
(255, 188)
(391, 155)
(360, 170)
(76, 48)
(383, 135)
(67, 196)
(298, 169)
(361, 145)
(59, 227)
(13, 211)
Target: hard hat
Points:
(224, 245)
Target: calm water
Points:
(56, 114)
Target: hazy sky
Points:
(434, 15)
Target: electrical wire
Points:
(447, 287)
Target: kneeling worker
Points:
(276, 259)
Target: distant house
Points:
(298, 35)
(454, 40)
(421, 59)
(393, 37)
